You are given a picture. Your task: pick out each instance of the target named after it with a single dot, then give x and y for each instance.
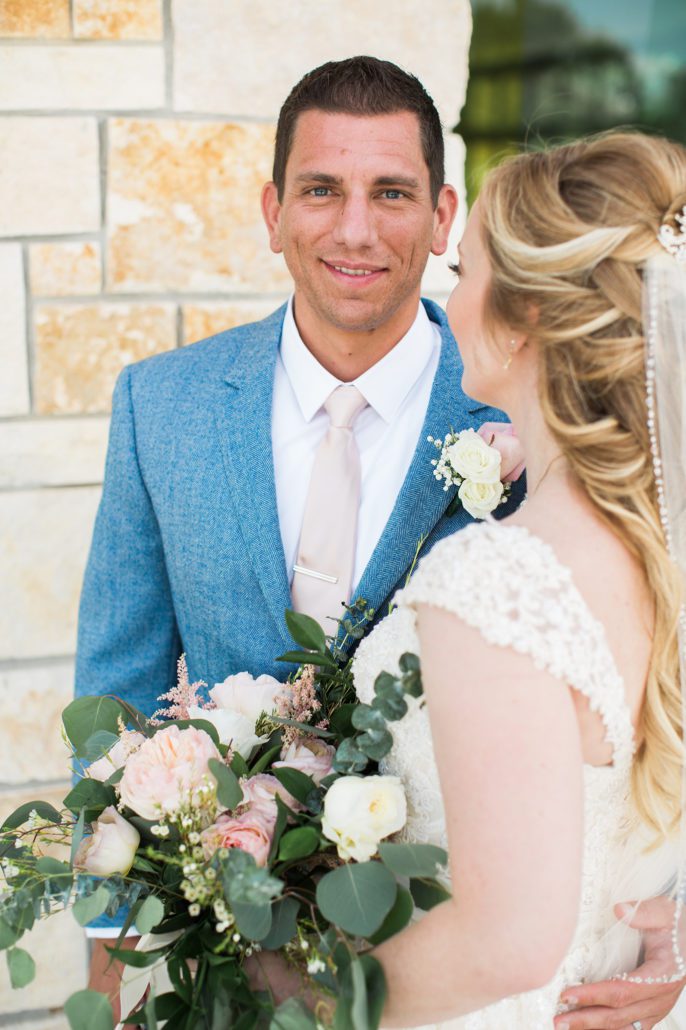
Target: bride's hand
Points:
(501, 436)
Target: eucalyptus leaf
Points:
(397, 919)
(319, 658)
(239, 766)
(409, 662)
(306, 631)
(283, 815)
(341, 720)
(150, 914)
(375, 743)
(420, 860)
(21, 966)
(357, 897)
(428, 893)
(137, 959)
(253, 921)
(91, 795)
(90, 907)
(42, 809)
(298, 843)
(52, 867)
(97, 745)
(349, 759)
(367, 718)
(229, 791)
(85, 716)
(295, 782)
(77, 835)
(89, 1010)
(292, 1015)
(262, 763)
(8, 935)
(284, 923)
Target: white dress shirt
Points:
(397, 390)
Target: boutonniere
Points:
(474, 467)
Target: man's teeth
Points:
(353, 271)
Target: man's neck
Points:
(349, 354)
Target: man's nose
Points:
(356, 226)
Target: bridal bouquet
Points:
(252, 820)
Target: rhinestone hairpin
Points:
(675, 242)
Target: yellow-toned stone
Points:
(35, 18)
(80, 350)
(49, 175)
(44, 540)
(202, 320)
(58, 1021)
(184, 207)
(63, 269)
(52, 452)
(117, 19)
(244, 57)
(33, 748)
(91, 76)
(14, 381)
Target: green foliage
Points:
(362, 994)
(252, 920)
(42, 809)
(284, 922)
(428, 893)
(92, 796)
(137, 959)
(349, 758)
(412, 859)
(150, 914)
(97, 745)
(292, 1015)
(199, 724)
(306, 631)
(357, 897)
(91, 906)
(295, 782)
(8, 935)
(85, 716)
(77, 835)
(397, 919)
(229, 792)
(21, 967)
(89, 1010)
(298, 843)
(245, 882)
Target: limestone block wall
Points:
(135, 136)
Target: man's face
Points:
(356, 222)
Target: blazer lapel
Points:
(244, 426)
(422, 500)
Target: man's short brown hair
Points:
(362, 86)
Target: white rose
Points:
(361, 811)
(480, 499)
(112, 846)
(115, 757)
(472, 458)
(242, 693)
(233, 728)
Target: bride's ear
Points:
(271, 212)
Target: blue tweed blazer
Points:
(187, 553)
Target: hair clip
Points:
(675, 242)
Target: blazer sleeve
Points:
(128, 640)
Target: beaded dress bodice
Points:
(508, 584)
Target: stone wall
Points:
(134, 138)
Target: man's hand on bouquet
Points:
(106, 972)
(619, 1004)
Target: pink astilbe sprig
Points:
(300, 704)
(182, 697)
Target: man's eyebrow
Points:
(322, 177)
(397, 180)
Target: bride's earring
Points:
(513, 344)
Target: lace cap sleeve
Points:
(508, 584)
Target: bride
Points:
(547, 755)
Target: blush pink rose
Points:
(259, 794)
(501, 435)
(111, 848)
(247, 832)
(311, 756)
(166, 769)
(247, 695)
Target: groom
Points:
(285, 463)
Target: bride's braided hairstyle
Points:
(568, 232)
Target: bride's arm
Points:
(507, 746)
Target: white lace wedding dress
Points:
(508, 584)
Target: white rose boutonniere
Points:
(468, 462)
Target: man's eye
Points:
(320, 191)
(393, 194)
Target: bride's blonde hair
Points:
(568, 232)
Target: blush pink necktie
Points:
(323, 571)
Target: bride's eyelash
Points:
(455, 267)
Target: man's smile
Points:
(355, 272)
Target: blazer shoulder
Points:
(221, 354)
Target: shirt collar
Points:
(384, 386)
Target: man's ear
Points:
(271, 212)
(444, 216)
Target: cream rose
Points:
(480, 499)
(360, 811)
(242, 693)
(165, 770)
(473, 459)
(111, 848)
(247, 832)
(233, 728)
(312, 757)
(117, 756)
